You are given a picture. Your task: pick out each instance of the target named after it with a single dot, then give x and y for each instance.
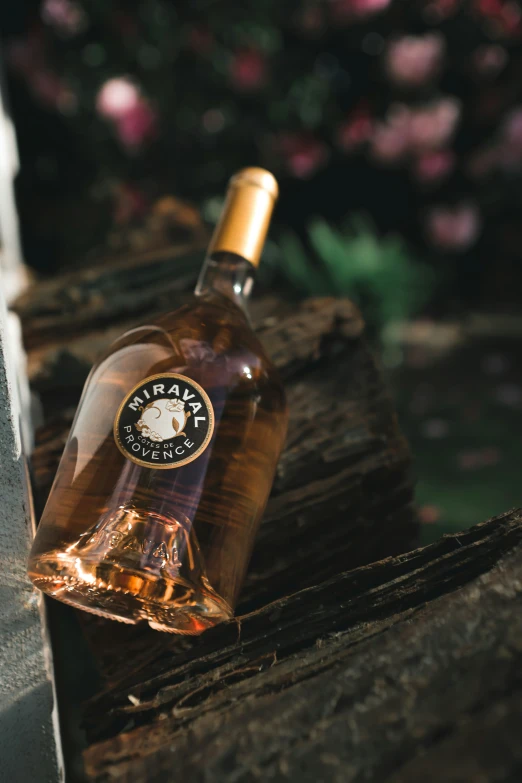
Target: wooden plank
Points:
(400, 671)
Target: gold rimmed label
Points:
(165, 421)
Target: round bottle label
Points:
(165, 421)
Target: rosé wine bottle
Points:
(172, 453)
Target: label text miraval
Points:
(164, 422)
(159, 388)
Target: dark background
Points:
(308, 88)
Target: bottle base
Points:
(119, 593)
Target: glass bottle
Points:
(172, 453)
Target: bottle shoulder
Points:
(209, 339)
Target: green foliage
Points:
(377, 272)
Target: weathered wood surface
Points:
(343, 492)
(402, 671)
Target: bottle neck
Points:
(229, 275)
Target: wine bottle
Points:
(172, 452)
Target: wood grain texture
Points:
(404, 670)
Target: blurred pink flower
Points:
(453, 228)
(480, 458)
(432, 126)
(248, 70)
(27, 57)
(489, 7)
(413, 60)
(370, 6)
(343, 10)
(489, 59)
(509, 148)
(66, 16)
(428, 514)
(52, 90)
(433, 166)
(129, 204)
(505, 151)
(120, 101)
(303, 154)
(438, 10)
(355, 130)
(138, 125)
(506, 15)
(512, 19)
(117, 97)
(389, 143)
(512, 129)
(417, 131)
